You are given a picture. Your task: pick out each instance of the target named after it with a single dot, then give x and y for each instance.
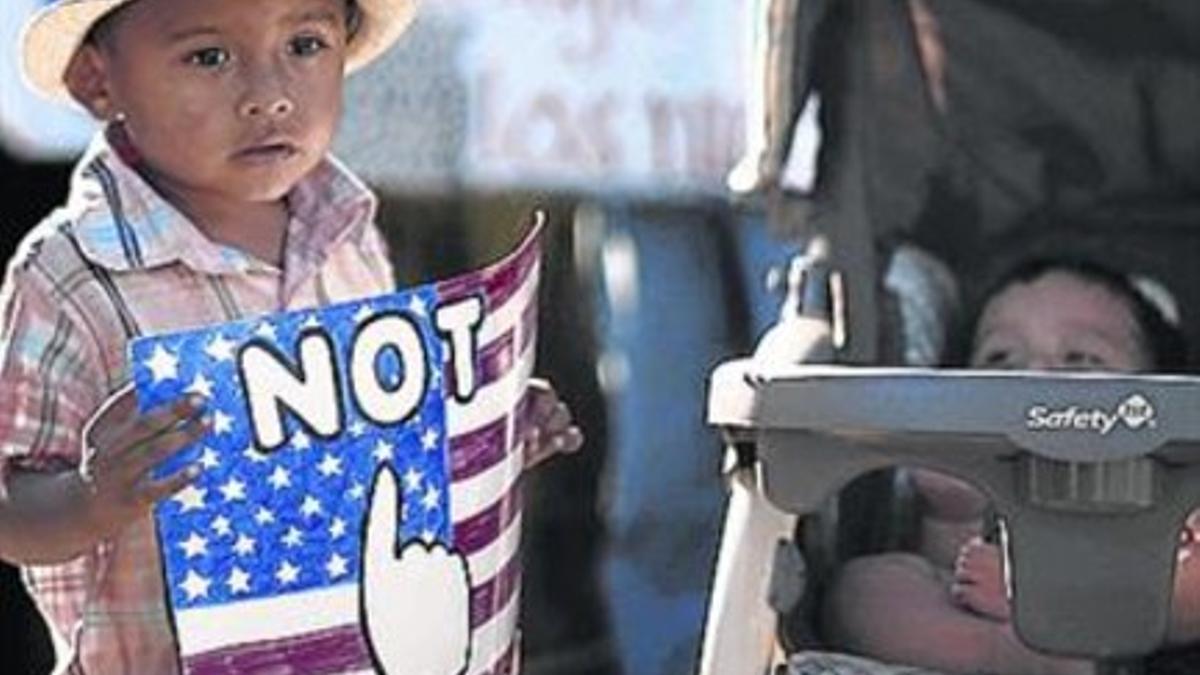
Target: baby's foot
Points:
(979, 580)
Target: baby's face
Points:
(231, 98)
(1058, 321)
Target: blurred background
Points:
(621, 118)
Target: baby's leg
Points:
(897, 607)
(891, 607)
(952, 512)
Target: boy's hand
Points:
(121, 447)
(550, 430)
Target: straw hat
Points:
(54, 33)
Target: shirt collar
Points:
(123, 224)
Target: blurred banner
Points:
(629, 96)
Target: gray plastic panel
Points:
(1080, 417)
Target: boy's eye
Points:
(306, 45)
(211, 57)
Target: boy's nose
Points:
(277, 106)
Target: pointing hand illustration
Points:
(415, 598)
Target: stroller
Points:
(958, 136)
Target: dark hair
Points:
(354, 18)
(101, 31)
(100, 34)
(1162, 340)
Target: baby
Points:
(1046, 315)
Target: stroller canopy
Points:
(989, 129)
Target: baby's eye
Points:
(994, 358)
(307, 45)
(210, 57)
(1082, 359)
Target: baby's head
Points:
(232, 97)
(1061, 314)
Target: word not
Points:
(310, 388)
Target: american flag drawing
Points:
(262, 553)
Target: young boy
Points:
(207, 197)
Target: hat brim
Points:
(383, 22)
(51, 38)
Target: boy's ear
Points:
(86, 78)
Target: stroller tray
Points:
(1092, 474)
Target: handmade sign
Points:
(358, 506)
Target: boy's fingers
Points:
(169, 416)
(572, 439)
(560, 417)
(537, 446)
(184, 414)
(111, 418)
(542, 401)
(542, 448)
(533, 436)
(151, 492)
(118, 428)
(141, 457)
(550, 416)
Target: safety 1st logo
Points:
(1135, 412)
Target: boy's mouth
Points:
(266, 153)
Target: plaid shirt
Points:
(119, 261)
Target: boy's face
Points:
(229, 99)
(1059, 321)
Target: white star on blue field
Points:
(256, 524)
